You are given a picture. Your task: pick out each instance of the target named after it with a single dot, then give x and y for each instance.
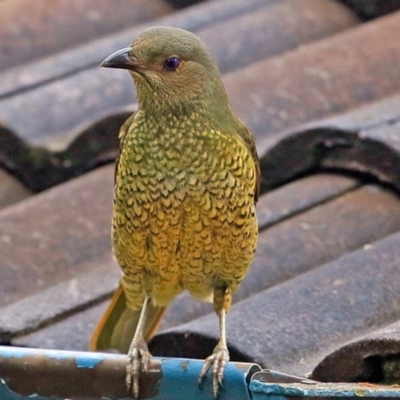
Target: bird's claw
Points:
(138, 359)
(218, 360)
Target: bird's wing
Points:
(248, 138)
(118, 324)
(122, 134)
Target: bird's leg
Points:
(138, 354)
(220, 356)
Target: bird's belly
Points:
(185, 247)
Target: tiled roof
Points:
(319, 87)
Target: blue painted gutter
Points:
(35, 374)
(273, 385)
(47, 374)
(270, 391)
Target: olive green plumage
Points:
(186, 182)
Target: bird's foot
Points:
(218, 361)
(138, 359)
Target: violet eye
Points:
(171, 63)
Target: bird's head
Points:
(172, 69)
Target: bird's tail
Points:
(117, 326)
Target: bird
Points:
(187, 181)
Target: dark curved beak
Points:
(121, 59)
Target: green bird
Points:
(186, 185)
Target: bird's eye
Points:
(171, 63)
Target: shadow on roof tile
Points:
(365, 140)
(371, 358)
(372, 8)
(40, 168)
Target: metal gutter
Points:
(47, 374)
(37, 374)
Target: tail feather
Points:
(116, 328)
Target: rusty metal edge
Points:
(85, 375)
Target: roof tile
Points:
(58, 234)
(52, 26)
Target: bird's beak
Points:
(121, 59)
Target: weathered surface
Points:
(300, 196)
(57, 302)
(51, 26)
(273, 29)
(68, 333)
(55, 235)
(11, 190)
(60, 375)
(320, 79)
